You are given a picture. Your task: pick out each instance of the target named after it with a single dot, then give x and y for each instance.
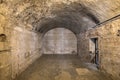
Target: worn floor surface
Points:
(60, 67)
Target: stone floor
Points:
(61, 67)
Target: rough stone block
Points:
(2, 47)
(1, 30)
(5, 58)
(5, 73)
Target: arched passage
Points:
(59, 41)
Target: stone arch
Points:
(59, 36)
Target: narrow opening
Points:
(94, 53)
(59, 41)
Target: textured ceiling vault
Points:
(43, 15)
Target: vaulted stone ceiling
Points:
(43, 15)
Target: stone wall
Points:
(83, 48)
(59, 41)
(25, 49)
(18, 49)
(5, 54)
(109, 47)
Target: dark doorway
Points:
(94, 51)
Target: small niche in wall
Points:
(118, 33)
(2, 37)
(1, 1)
